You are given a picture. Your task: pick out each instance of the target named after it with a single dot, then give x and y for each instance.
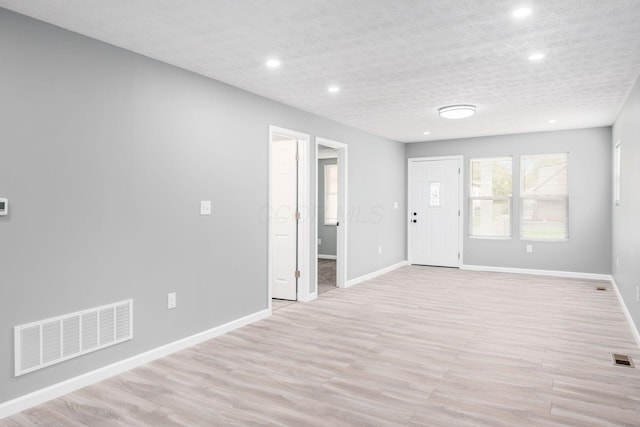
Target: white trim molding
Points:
(30, 400)
(569, 274)
(627, 314)
(320, 256)
(309, 297)
(375, 274)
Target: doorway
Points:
(288, 261)
(435, 204)
(331, 214)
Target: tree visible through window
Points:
(330, 194)
(544, 197)
(490, 197)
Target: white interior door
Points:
(434, 212)
(284, 195)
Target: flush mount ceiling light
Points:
(536, 56)
(521, 12)
(552, 121)
(427, 132)
(457, 111)
(273, 63)
(333, 89)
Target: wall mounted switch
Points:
(529, 249)
(171, 300)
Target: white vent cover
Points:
(50, 341)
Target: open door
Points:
(289, 222)
(284, 230)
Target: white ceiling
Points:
(396, 61)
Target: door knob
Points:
(415, 220)
(415, 213)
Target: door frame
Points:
(410, 164)
(341, 230)
(304, 175)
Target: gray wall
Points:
(626, 216)
(105, 155)
(589, 246)
(326, 233)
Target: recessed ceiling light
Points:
(521, 12)
(536, 56)
(457, 111)
(333, 89)
(427, 132)
(552, 121)
(273, 63)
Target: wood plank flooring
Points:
(326, 275)
(419, 346)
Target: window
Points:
(330, 194)
(490, 197)
(544, 197)
(616, 175)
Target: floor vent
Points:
(601, 288)
(50, 341)
(622, 360)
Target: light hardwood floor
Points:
(419, 346)
(326, 275)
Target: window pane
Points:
(491, 177)
(544, 219)
(490, 201)
(330, 194)
(544, 197)
(616, 174)
(434, 194)
(491, 218)
(544, 174)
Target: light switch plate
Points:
(171, 300)
(205, 207)
(529, 248)
(395, 205)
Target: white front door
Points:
(284, 198)
(434, 211)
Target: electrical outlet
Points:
(171, 300)
(529, 249)
(205, 207)
(319, 242)
(379, 249)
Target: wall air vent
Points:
(50, 341)
(622, 360)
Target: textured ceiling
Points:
(396, 61)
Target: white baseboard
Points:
(627, 314)
(569, 274)
(310, 297)
(27, 401)
(327, 256)
(375, 274)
